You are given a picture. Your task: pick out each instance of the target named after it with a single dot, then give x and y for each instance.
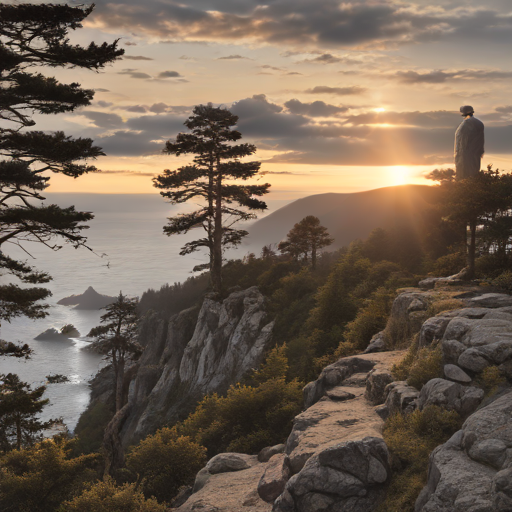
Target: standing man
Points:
(469, 145)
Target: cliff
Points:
(195, 352)
(335, 457)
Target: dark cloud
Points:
(339, 91)
(273, 68)
(436, 119)
(326, 23)
(234, 57)
(133, 73)
(135, 108)
(440, 76)
(136, 57)
(104, 104)
(328, 58)
(103, 119)
(314, 109)
(129, 43)
(99, 89)
(169, 74)
(158, 108)
(507, 109)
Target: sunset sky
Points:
(337, 96)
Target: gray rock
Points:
(266, 453)
(376, 384)
(452, 349)
(357, 380)
(452, 372)
(332, 376)
(226, 462)
(433, 329)
(400, 397)
(499, 351)
(377, 343)
(349, 476)
(506, 369)
(473, 360)
(339, 395)
(273, 481)
(182, 496)
(202, 478)
(473, 471)
(451, 396)
(491, 300)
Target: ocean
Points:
(131, 254)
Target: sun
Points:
(380, 109)
(399, 174)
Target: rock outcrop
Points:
(90, 299)
(472, 472)
(193, 354)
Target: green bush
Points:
(106, 496)
(410, 439)
(274, 367)
(164, 462)
(428, 364)
(40, 478)
(449, 264)
(504, 281)
(401, 370)
(247, 419)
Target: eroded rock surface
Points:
(472, 471)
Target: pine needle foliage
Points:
(216, 165)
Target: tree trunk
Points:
(119, 375)
(471, 249)
(113, 449)
(217, 236)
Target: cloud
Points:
(302, 23)
(129, 43)
(234, 57)
(434, 119)
(169, 74)
(507, 109)
(136, 57)
(273, 68)
(135, 108)
(158, 108)
(314, 109)
(99, 89)
(328, 58)
(105, 104)
(133, 73)
(339, 91)
(103, 119)
(440, 76)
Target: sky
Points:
(338, 96)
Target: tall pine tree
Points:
(215, 166)
(34, 36)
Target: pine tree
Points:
(19, 407)
(34, 36)
(215, 166)
(305, 239)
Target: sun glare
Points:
(399, 174)
(380, 109)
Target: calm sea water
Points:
(130, 255)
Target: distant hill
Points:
(349, 216)
(90, 299)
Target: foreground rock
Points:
(347, 476)
(472, 472)
(90, 299)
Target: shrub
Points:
(40, 478)
(274, 367)
(449, 264)
(410, 439)
(91, 426)
(442, 305)
(164, 462)
(491, 379)
(247, 419)
(401, 370)
(504, 281)
(106, 496)
(428, 364)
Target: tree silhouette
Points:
(34, 36)
(305, 239)
(215, 166)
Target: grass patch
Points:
(491, 379)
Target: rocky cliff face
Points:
(335, 458)
(192, 354)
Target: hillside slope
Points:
(349, 216)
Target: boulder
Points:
(452, 349)
(491, 300)
(266, 453)
(339, 395)
(473, 360)
(377, 343)
(347, 476)
(451, 396)
(227, 462)
(473, 471)
(400, 397)
(454, 373)
(376, 384)
(433, 329)
(272, 482)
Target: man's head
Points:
(466, 110)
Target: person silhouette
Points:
(469, 144)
